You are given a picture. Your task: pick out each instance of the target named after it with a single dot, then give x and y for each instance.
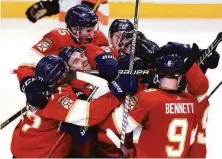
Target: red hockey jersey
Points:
(161, 122)
(37, 134)
(198, 147)
(197, 81)
(51, 44)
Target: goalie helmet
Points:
(81, 16)
(67, 52)
(51, 70)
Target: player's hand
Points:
(36, 93)
(80, 133)
(124, 85)
(212, 61)
(107, 66)
(123, 63)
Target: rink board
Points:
(16, 9)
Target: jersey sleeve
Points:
(66, 107)
(198, 144)
(137, 114)
(91, 52)
(197, 81)
(81, 86)
(50, 44)
(100, 39)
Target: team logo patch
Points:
(133, 101)
(66, 102)
(44, 44)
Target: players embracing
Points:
(161, 120)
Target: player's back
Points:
(168, 122)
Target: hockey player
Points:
(33, 137)
(85, 60)
(118, 38)
(51, 7)
(81, 22)
(80, 30)
(37, 135)
(109, 149)
(161, 119)
(198, 143)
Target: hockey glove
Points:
(36, 93)
(123, 63)
(42, 9)
(212, 61)
(80, 133)
(107, 66)
(124, 85)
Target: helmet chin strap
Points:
(77, 34)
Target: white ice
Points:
(18, 35)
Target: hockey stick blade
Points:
(208, 52)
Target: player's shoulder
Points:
(59, 33)
(149, 93)
(188, 96)
(100, 39)
(94, 47)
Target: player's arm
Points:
(138, 113)
(103, 61)
(100, 39)
(41, 9)
(48, 45)
(66, 107)
(197, 81)
(198, 138)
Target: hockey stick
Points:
(127, 98)
(97, 81)
(208, 53)
(96, 5)
(214, 90)
(63, 134)
(210, 49)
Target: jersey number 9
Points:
(173, 137)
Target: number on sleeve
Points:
(201, 137)
(63, 31)
(176, 138)
(34, 118)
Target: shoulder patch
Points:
(44, 44)
(65, 102)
